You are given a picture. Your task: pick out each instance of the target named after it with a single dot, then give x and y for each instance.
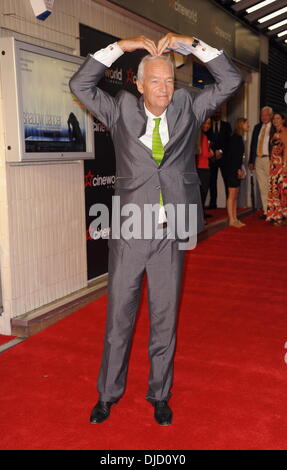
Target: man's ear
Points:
(139, 86)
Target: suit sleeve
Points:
(253, 146)
(227, 80)
(84, 86)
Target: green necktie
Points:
(157, 148)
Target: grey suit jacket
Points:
(138, 177)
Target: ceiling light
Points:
(282, 33)
(272, 15)
(277, 25)
(259, 5)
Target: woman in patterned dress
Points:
(277, 194)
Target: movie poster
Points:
(54, 120)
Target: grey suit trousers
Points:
(128, 262)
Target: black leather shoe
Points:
(100, 412)
(162, 413)
(262, 217)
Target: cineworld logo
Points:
(192, 15)
(103, 233)
(93, 181)
(131, 76)
(98, 127)
(221, 33)
(104, 180)
(114, 76)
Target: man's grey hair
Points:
(268, 108)
(148, 58)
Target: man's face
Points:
(157, 86)
(265, 116)
(277, 120)
(206, 125)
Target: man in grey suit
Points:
(154, 140)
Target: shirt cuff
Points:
(109, 54)
(204, 52)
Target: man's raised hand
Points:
(171, 41)
(139, 42)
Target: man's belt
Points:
(262, 156)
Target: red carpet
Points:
(5, 339)
(230, 376)
(219, 214)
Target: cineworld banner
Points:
(204, 19)
(100, 172)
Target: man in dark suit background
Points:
(220, 134)
(154, 140)
(259, 153)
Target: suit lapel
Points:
(259, 129)
(139, 123)
(171, 117)
(174, 120)
(139, 119)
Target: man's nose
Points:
(163, 87)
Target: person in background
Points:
(74, 129)
(220, 134)
(277, 194)
(203, 155)
(259, 153)
(234, 169)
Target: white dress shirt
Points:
(218, 125)
(146, 138)
(266, 138)
(111, 53)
